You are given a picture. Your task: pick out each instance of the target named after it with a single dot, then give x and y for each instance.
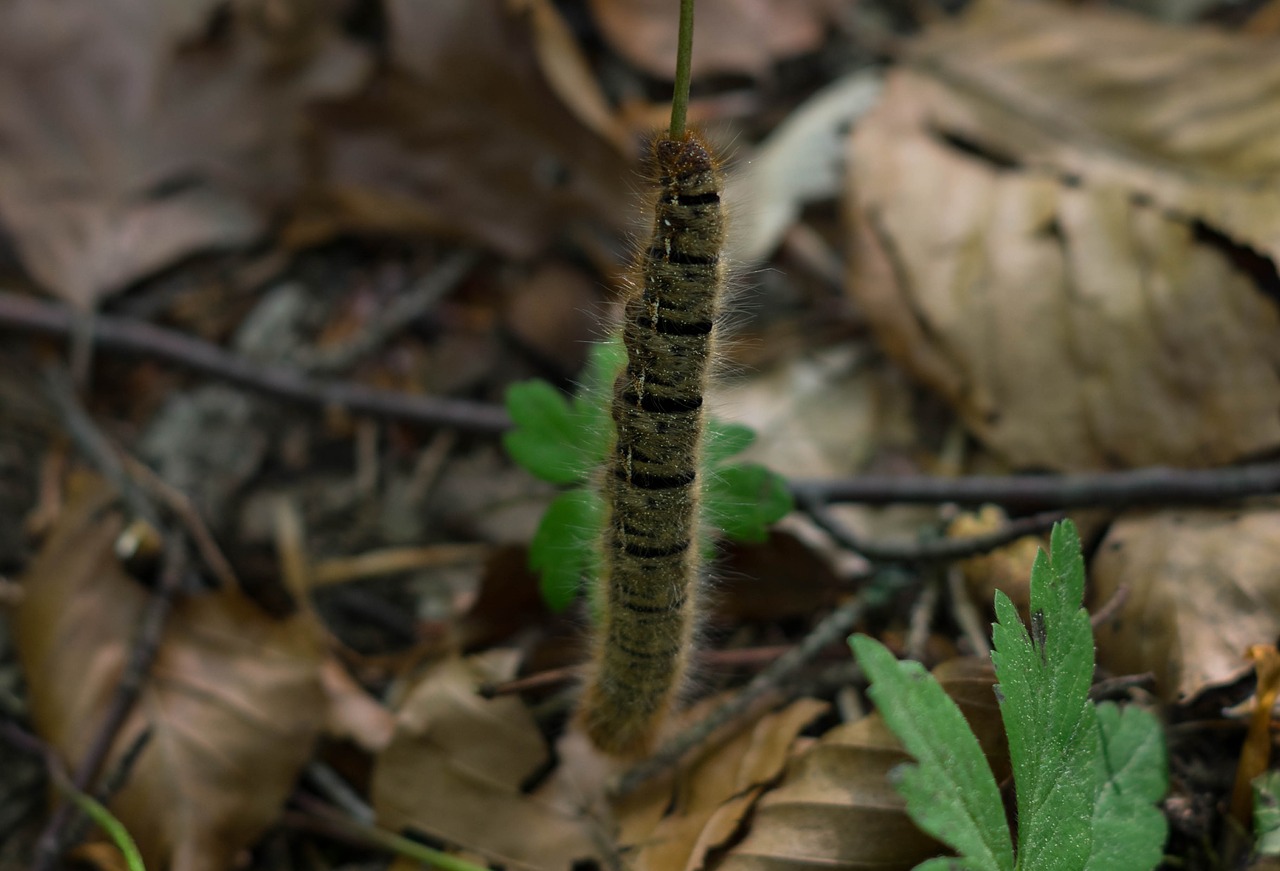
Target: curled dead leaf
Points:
(665, 828)
(836, 807)
(1063, 224)
(1203, 586)
(233, 700)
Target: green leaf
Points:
(743, 500)
(548, 438)
(565, 549)
(1266, 813)
(951, 793)
(1044, 685)
(1129, 831)
(724, 440)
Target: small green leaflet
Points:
(563, 550)
(1087, 778)
(1044, 701)
(1129, 831)
(564, 441)
(951, 793)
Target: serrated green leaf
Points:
(951, 794)
(1044, 684)
(1129, 831)
(565, 548)
(743, 500)
(1266, 813)
(724, 440)
(550, 438)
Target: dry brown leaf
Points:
(1202, 587)
(1058, 218)
(233, 698)
(464, 136)
(569, 73)
(713, 796)
(734, 36)
(456, 764)
(133, 132)
(836, 809)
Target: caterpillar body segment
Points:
(651, 484)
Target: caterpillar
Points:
(650, 558)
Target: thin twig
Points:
(183, 508)
(131, 336)
(95, 445)
(774, 676)
(1148, 486)
(1160, 486)
(406, 308)
(936, 550)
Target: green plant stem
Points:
(684, 62)
(106, 821)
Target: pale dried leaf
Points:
(569, 73)
(129, 138)
(1057, 219)
(455, 767)
(1202, 587)
(836, 809)
(233, 699)
(801, 161)
(716, 793)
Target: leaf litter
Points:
(1036, 206)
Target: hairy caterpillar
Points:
(650, 552)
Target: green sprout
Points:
(1087, 777)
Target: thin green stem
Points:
(98, 812)
(684, 62)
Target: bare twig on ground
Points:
(131, 336)
(180, 504)
(407, 307)
(1150, 486)
(938, 550)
